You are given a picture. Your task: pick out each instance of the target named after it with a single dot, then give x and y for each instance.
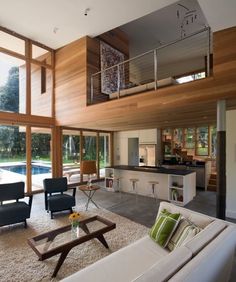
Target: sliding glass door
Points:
(41, 165)
(12, 154)
(79, 145)
(104, 152)
(71, 155)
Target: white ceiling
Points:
(37, 19)
(164, 26)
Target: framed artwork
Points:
(109, 79)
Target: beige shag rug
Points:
(18, 262)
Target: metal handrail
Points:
(155, 49)
(154, 53)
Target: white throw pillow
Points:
(185, 231)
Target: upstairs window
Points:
(43, 80)
(191, 77)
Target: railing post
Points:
(91, 94)
(155, 67)
(118, 80)
(208, 51)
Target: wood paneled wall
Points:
(118, 39)
(41, 103)
(76, 62)
(71, 81)
(189, 104)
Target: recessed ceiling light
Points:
(86, 11)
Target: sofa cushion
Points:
(205, 236)
(213, 263)
(185, 231)
(124, 265)
(14, 212)
(166, 267)
(198, 219)
(164, 227)
(59, 202)
(12, 191)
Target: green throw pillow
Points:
(185, 231)
(164, 227)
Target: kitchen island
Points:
(177, 186)
(202, 169)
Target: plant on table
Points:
(74, 219)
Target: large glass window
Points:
(89, 148)
(72, 145)
(12, 84)
(178, 138)
(191, 77)
(189, 138)
(71, 155)
(167, 135)
(89, 145)
(104, 152)
(213, 141)
(42, 55)
(41, 166)
(13, 76)
(12, 154)
(202, 141)
(12, 43)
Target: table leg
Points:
(90, 196)
(60, 262)
(103, 241)
(94, 203)
(84, 228)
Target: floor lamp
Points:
(88, 167)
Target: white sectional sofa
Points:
(208, 257)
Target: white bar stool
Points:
(134, 185)
(118, 182)
(153, 185)
(118, 185)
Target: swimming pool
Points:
(21, 169)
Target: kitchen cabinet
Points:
(148, 136)
(182, 189)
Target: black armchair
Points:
(55, 199)
(15, 212)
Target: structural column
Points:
(221, 160)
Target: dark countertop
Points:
(203, 166)
(187, 164)
(152, 169)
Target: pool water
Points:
(21, 169)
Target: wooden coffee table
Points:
(62, 240)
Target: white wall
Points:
(146, 136)
(231, 164)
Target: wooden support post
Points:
(56, 152)
(221, 160)
(81, 153)
(28, 160)
(111, 149)
(97, 155)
